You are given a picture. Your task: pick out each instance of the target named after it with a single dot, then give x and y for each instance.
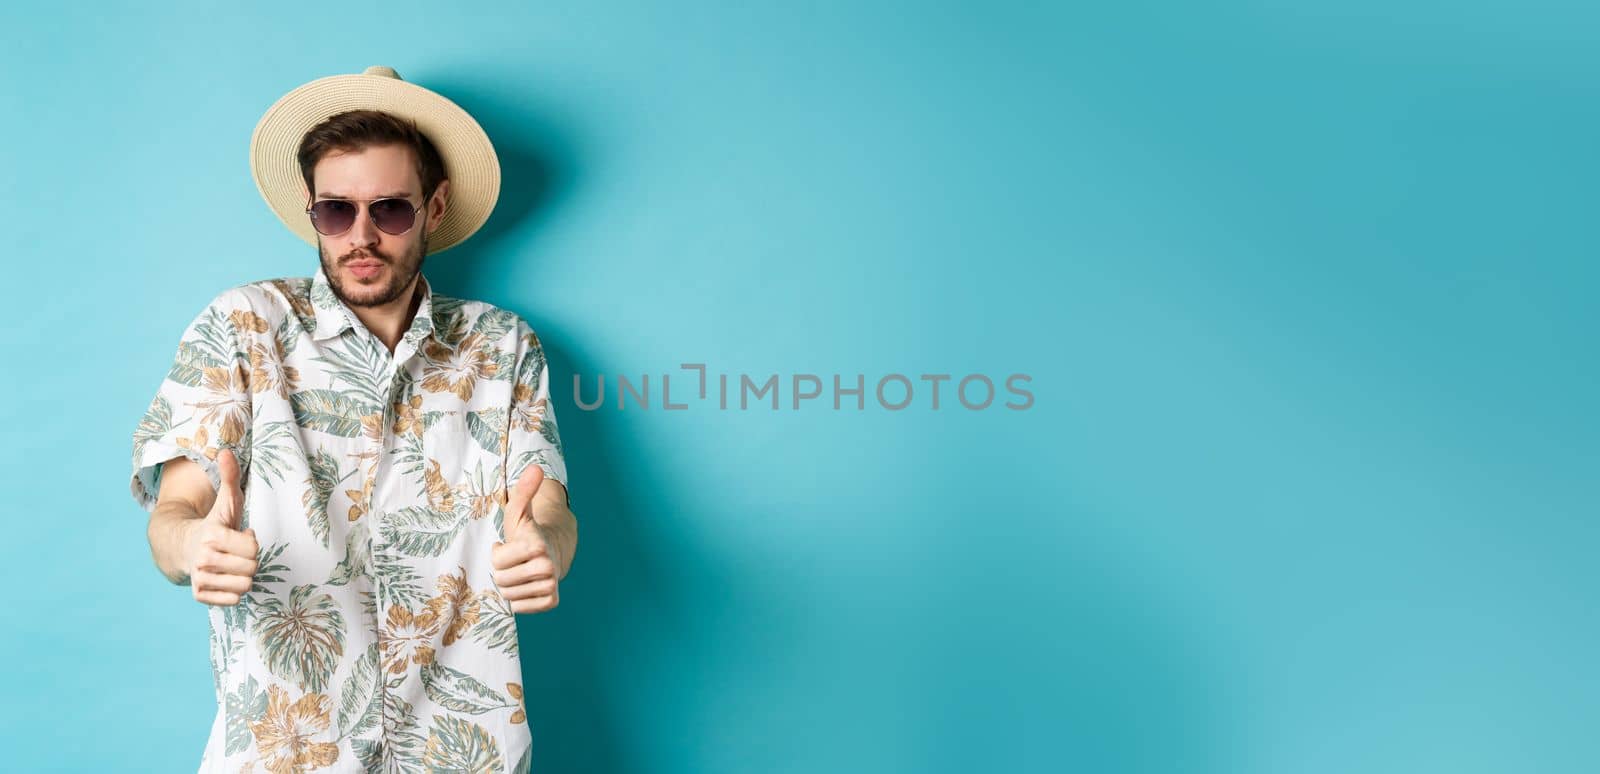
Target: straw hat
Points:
(470, 162)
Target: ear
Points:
(438, 203)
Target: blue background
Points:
(1307, 292)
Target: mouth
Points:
(365, 269)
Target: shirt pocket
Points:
(447, 446)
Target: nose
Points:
(363, 233)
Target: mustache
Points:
(362, 255)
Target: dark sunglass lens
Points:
(393, 215)
(333, 216)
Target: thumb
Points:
(522, 494)
(230, 499)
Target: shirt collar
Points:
(333, 317)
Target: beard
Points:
(383, 289)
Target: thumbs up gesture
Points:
(525, 562)
(219, 558)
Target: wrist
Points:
(170, 537)
(181, 531)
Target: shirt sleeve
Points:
(533, 436)
(202, 405)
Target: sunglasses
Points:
(331, 217)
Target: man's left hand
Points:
(525, 564)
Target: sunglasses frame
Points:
(365, 205)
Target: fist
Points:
(524, 565)
(219, 558)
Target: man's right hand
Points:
(219, 559)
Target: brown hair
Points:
(355, 130)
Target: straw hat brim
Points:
(469, 158)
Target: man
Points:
(361, 479)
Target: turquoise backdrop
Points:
(1306, 291)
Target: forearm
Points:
(169, 524)
(557, 522)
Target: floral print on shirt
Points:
(373, 638)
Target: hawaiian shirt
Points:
(373, 637)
